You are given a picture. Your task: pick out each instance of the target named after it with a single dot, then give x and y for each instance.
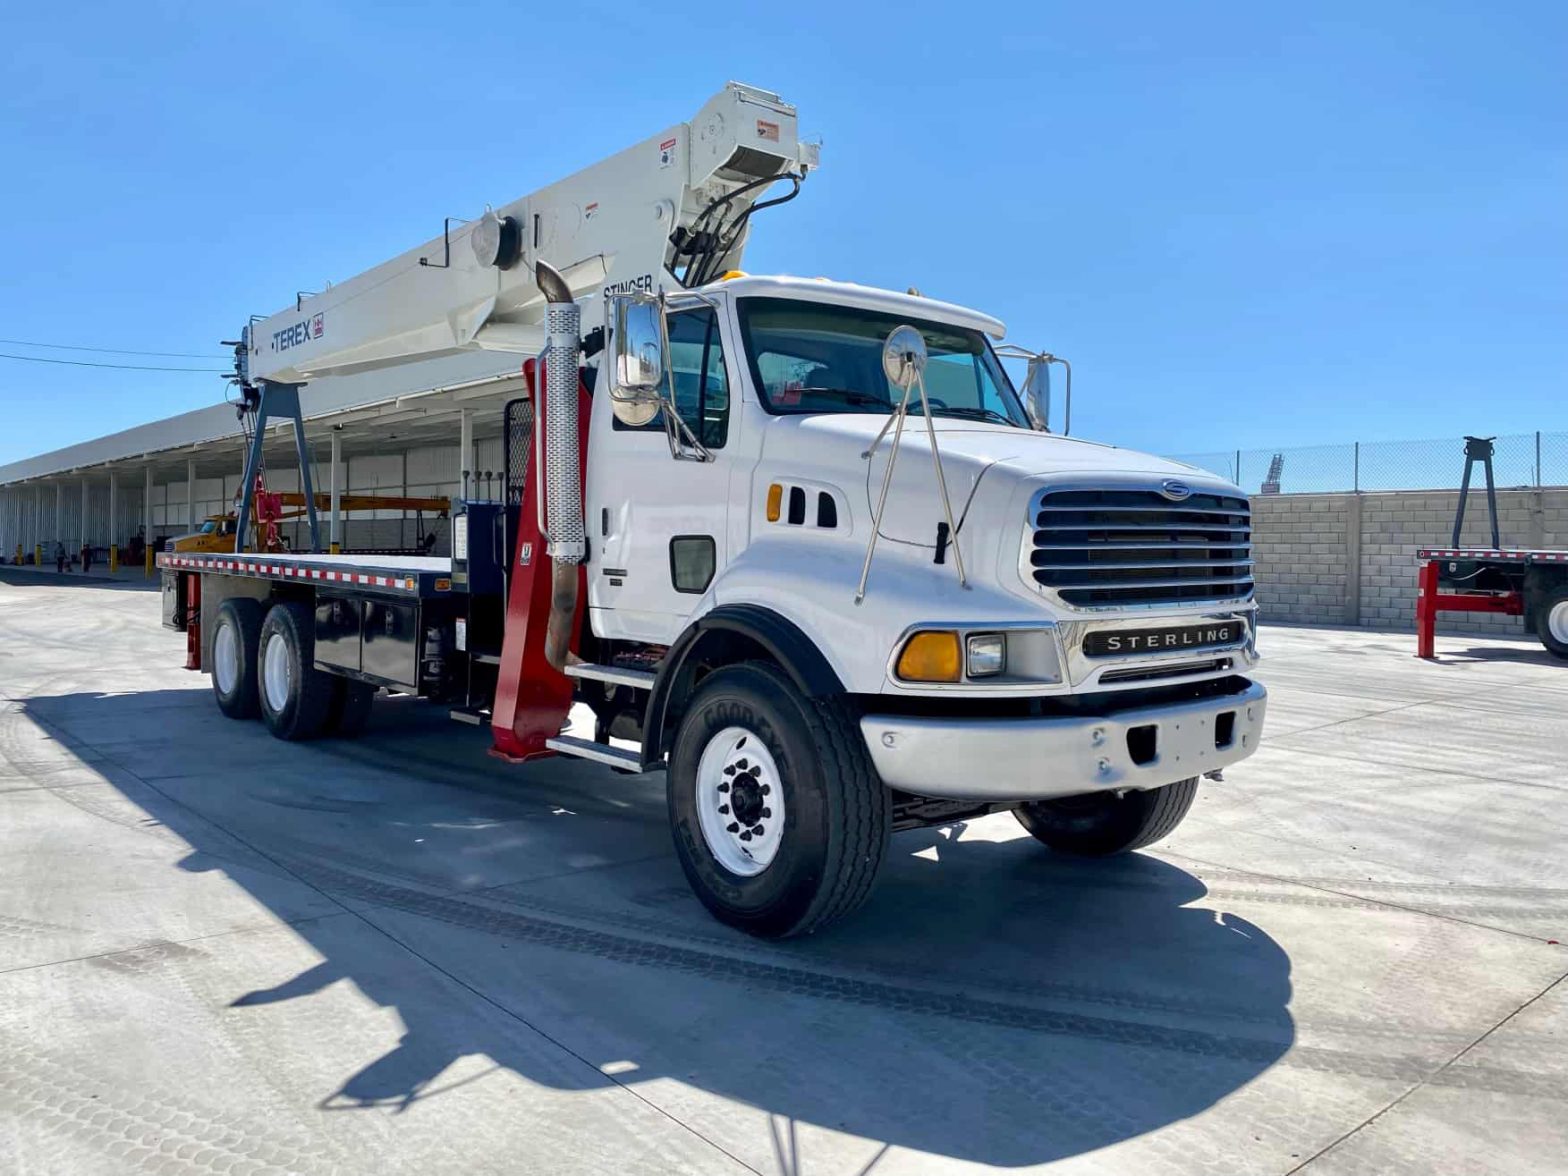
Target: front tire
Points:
(296, 698)
(1101, 824)
(780, 820)
(236, 637)
(1551, 623)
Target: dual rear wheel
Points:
(263, 664)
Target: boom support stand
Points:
(276, 400)
(1478, 449)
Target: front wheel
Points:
(780, 820)
(1100, 824)
(1551, 623)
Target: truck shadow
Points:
(27, 577)
(1518, 654)
(992, 1003)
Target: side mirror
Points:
(637, 365)
(1037, 393)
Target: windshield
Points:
(824, 357)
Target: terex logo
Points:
(301, 332)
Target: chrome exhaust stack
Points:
(560, 464)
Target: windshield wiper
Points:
(973, 412)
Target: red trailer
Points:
(1515, 582)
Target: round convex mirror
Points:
(903, 356)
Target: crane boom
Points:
(631, 221)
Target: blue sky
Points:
(1246, 225)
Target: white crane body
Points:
(715, 545)
(604, 228)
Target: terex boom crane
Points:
(708, 539)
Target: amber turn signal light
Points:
(931, 656)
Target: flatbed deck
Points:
(412, 575)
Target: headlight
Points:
(986, 654)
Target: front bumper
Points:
(1042, 758)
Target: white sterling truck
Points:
(799, 544)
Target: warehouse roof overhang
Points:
(372, 412)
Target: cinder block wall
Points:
(1350, 559)
(1303, 560)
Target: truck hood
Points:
(974, 454)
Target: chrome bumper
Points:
(1037, 759)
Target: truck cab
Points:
(1087, 665)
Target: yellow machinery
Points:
(217, 532)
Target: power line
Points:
(112, 350)
(133, 367)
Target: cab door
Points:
(656, 525)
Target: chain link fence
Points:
(1521, 461)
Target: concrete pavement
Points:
(219, 952)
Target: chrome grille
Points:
(1102, 548)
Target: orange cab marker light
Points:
(775, 501)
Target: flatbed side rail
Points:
(406, 581)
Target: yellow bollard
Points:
(114, 558)
(335, 548)
(18, 555)
(38, 555)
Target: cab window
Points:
(702, 389)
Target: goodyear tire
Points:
(780, 820)
(295, 696)
(1101, 824)
(236, 636)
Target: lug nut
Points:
(732, 827)
(756, 830)
(766, 812)
(724, 787)
(725, 809)
(746, 836)
(766, 789)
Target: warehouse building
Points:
(423, 430)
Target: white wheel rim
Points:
(275, 673)
(1557, 621)
(740, 802)
(226, 657)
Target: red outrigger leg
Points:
(1426, 611)
(193, 622)
(532, 698)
